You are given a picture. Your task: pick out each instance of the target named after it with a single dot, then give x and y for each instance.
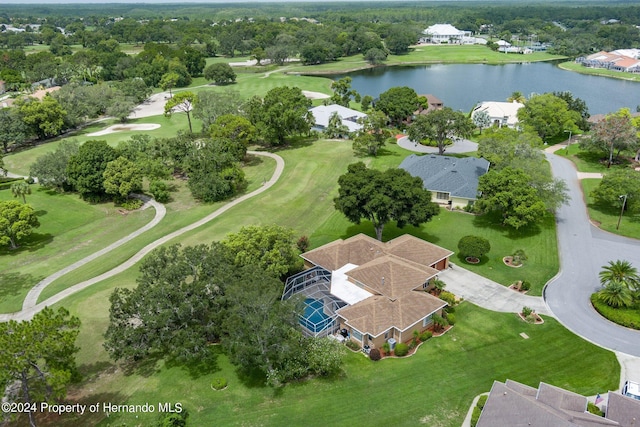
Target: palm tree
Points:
(622, 272)
(21, 189)
(517, 97)
(615, 294)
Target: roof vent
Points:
(382, 280)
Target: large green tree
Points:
(45, 118)
(380, 197)
(343, 93)
(51, 168)
(37, 358)
(177, 308)
(86, 168)
(548, 115)
(373, 134)
(237, 131)
(613, 134)
(121, 178)
(398, 103)
(271, 247)
(440, 126)
(17, 220)
(284, 111)
(210, 105)
(14, 130)
(220, 73)
(616, 184)
(509, 192)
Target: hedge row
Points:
(629, 316)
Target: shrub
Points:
(450, 309)
(625, 316)
(303, 244)
(386, 348)
(473, 246)
(374, 354)
(526, 311)
(131, 204)
(173, 419)
(425, 335)
(475, 416)
(525, 285)
(519, 257)
(353, 345)
(451, 318)
(594, 410)
(447, 297)
(401, 349)
(219, 383)
(160, 191)
(482, 401)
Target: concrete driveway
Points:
(460, 146)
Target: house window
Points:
(357, 335)
(386, 335)
(442, 196)
(427, 320)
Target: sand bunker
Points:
(315, 95)
(125, 127)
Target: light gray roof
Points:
(447, 174)
(322, 114)
(514, 404)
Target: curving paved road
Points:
(584, 249)
(28, 313)
(460, 146)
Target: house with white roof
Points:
(444, 33)
(349, 117)
(501, 113)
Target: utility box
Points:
(392, 343)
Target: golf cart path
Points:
(32, 297)
(28, 312)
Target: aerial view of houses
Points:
(311, 214)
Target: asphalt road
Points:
(584, 249)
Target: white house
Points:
(443, 33)
(501, 113)
(323, 113)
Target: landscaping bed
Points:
(628, 317)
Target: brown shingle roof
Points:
(357, 250)
(391, 276)
(378, 313)
(416, 250)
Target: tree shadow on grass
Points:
(493, 221)
(251, 378)
(31, 243)
(196, 369)
(252, 160)
(144, 367)
(12, 284)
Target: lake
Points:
(462, 86)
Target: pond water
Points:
(462, 86)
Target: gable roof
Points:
(443, 30)
(500, 110)
(623, 409)
(459, 177)
(515, 404)
(378, 314)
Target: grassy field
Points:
(607, 217)
(587, 161)
(434, 387)
(572, 66)
(70, 229)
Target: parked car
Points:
(631, 389)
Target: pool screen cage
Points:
(319, 317)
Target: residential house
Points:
(514, 404)
(452, 181)
(322, 114)
(621, 60)
(433, 103)
(443, 33)
(501, 113)
(373, 291)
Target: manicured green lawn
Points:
(434, 387)
(572, 66)
(182, 210)
(70, 229)
(606, 217)
(588, 161)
